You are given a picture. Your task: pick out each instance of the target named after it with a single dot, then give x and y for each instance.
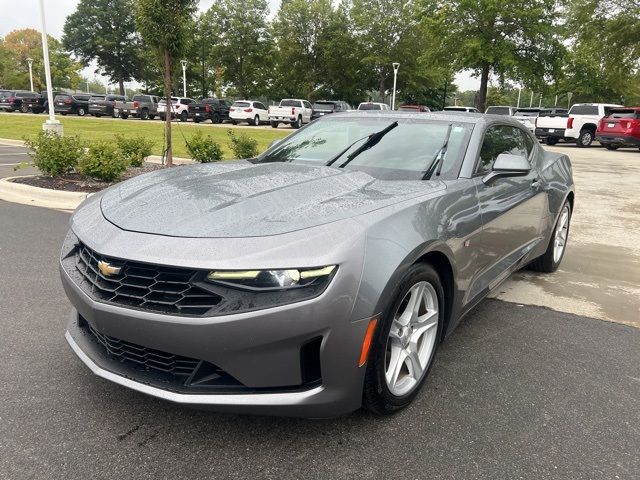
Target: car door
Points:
(512, 208)
(307, 111)
(261, 110)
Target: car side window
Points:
(260, 106)
(501, 139)
(306, 104)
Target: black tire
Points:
(124, 116)
(196, 120)
(215, 118)
(551, 141)
(24, 108)
(184, 116)
(256, 121)
(585, 139)
(233, 122)
(610, 146)
(297, 124)
(64, 114)
(144, 114)
(152, 117)
(81, 112)
(274, 124)
(377, 398)
(546, 263)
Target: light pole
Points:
(184, 77)
(52, 124)
(519, 93)
(30, 62)
(531, 101)
(396, 67)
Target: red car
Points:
(414, 108)
(620, 128)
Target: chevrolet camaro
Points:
(320, 276)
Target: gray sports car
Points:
(320, 276)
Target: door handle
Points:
(535, 183)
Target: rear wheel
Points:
(551, 140)
(585, 139)
(24, 108)
(184, 116)
(550, 261)
(124, 116)
(406, 342)
(215, 118)
(144, 114)
(81, 112)
(298, 123)
(609, 146)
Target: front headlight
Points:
(271, 280)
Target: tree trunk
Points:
(121, 86)
(484, 83)
(169, 107)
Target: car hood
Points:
(242, 199)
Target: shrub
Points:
(243, 146)
(103, 161)
(134, 149)
(55, 155)
(204, 149)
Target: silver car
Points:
(320, 276)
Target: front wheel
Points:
(256, 121)
(405, 342)
(124, 116)
(585, 139)
(184, 116)
(81, 112)
(215, 118)
(609, 146)
(550, 261)
(24, 108)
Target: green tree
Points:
(163, 25)
(104, 31)
(241, 44)
(515, 39)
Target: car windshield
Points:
(527, 113)
(290, 103)
(626, 113)
(329, 106)
(584, 110)
(369, 106)
(499, 111)
(403, 153)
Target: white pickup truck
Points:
(579, 125)
(292, 111)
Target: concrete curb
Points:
(39, 197)
(12, 143)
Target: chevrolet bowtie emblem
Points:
(107, 269)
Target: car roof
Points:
(445, 116)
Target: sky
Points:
(28, 16)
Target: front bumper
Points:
(261, 349)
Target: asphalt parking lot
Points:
(518, 391)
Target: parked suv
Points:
(100, 105)
(326, 107)
(583, 121)
(12, 100)
(250, 111)
(212, 109)
(179, 108)
(76, 104)
(620, 128)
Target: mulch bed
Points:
(75, 182)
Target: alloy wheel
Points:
(561, 234)
(411, 339)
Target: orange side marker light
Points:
(366, 344)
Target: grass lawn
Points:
(20, 126)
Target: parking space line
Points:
(9, 154)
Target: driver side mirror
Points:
(507, 165)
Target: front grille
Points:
(155, 367)
(155, 288)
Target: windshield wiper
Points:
(372, 141)
(436, 162)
